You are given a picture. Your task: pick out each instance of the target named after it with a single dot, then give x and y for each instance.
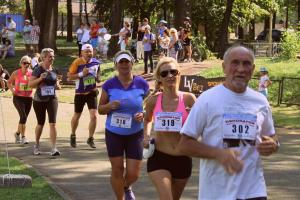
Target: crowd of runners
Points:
(229, 127)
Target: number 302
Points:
(240, 129)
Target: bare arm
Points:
(150, 104)
(105, 106)
(11, 81)
(74, 76)
(226, 157)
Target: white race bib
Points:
(47, 91)
(121, 120)
(168, 121)
(239, 126)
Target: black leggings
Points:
(256, 198)
(40, 110)
(148, 55)
(23, 106)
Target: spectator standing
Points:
(35, 36)
(124, 36)
(94, 35)
(11, 32)
(140, 36)
(174, 44)
(86, 34)
(102, 43)
(26, 36)
(148, 40)
(79, 34)
(164, 42)
(22, 96)
(264, 81)
(36, 59)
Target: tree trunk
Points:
(298, 11)
(252, 30)
(86, 13)
(80, 11)
(46, 12)
(274, 20)
(223, 32)
(240, 32)
(28, 14)
(267, 23)
(287, 14)
(116, 24)
(69, 21)
(179, 12)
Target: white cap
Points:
(86, 46)
(124, 56)
(27, 20)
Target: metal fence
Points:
(261, 49)
(285, 90)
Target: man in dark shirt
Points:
(4, 76)
(140, 36)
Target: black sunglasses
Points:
(173, 72)
(26, 63)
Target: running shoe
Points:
(36, 150)
(55, 152)
(90, 142)
(129, 195)
(24, 140)
(17, 138)
(73, 140)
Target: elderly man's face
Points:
(238, 68)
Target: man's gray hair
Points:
(46, 51)
(230, 49)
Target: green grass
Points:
(40, 188)
(277, 68)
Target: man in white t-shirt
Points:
(229, 127)
(102, 43)
(11, 31)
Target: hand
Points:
(267, 146)
(139, 116)
(85, 71)
(146, 141)
(230, 161)
(115, 104)
(44, 75)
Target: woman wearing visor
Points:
(122, 101)
(22, 96)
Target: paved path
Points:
(83, 173)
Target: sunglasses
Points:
(173, 72)
(26, 63)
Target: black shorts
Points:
(180, 167)
(130, 145)
(90, 99)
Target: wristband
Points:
(80, 74)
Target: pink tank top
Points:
(21, 84)
(180, 107)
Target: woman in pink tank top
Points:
(22, 96)
(168, 168)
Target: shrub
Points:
(290, 45)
